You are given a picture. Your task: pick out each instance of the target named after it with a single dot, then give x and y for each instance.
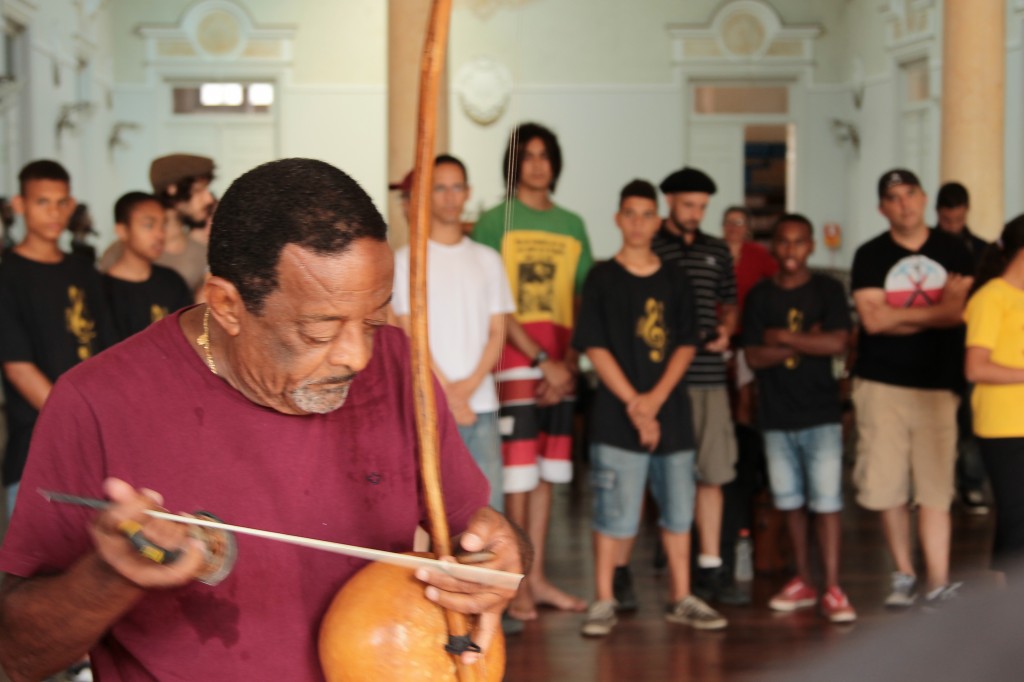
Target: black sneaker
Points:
(622, 589)
(974, 502)
(510, 625)
(708, 583)
(735, 594)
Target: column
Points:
(973, 106)
(407, 29)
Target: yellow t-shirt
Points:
(995, 320)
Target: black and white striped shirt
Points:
(708, 264)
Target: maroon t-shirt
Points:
(150, 412)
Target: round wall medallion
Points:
(218, 33)
(484, 86)
(743, 34)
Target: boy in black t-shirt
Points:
(138, 291)
(52, 313)
(637, 325)
(793, 324)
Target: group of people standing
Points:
(57, 310)
(657, 323)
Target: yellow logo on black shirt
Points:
(651, 328)
(795, 323)
(79, 323)
(157, 313)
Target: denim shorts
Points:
(618, 478)
(484, 443)
(805, 466)
(12, 494)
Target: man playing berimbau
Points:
(284, 403)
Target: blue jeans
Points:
(484, 443)
(806, 466)
(619, 477)
(12, 494)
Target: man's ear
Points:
(18, 204)
(171, 191)
(122, 231)
(225, 303)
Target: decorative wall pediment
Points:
(20, 11)
(217, 31)
(910, 23)
(485, 8)
(744, 31)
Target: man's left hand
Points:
(488, 531)
(720, 343)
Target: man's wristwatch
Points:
(540, 357)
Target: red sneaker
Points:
(795, 595)
(836, 607)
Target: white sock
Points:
(708, 561)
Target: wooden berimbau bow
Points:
(437, 654)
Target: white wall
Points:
(599, 72)
(331, 93)
(609, 135)
(59, 35)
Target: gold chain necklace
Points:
(204, 341)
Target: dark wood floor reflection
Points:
(644, 647)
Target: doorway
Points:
(742, 135)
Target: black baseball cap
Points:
(896, 176)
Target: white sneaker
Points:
(941, 596)
(693, 611)
(600, 619)
(904, 591)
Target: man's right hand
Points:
(559, 381)
(649, 432)
(954, 297)
(957, 287)
(114, 548)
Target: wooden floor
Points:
(644, 647)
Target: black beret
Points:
(688, 180)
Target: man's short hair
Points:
(792, 218)
(520, 137)
(126, 204)
(43, 169)
(952, 195)
(688, 179)
(737, 209)
(638, 188)
(404, 187)
(304, 202)
(179, 171)
(448, 158)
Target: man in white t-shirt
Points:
(468, 299)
